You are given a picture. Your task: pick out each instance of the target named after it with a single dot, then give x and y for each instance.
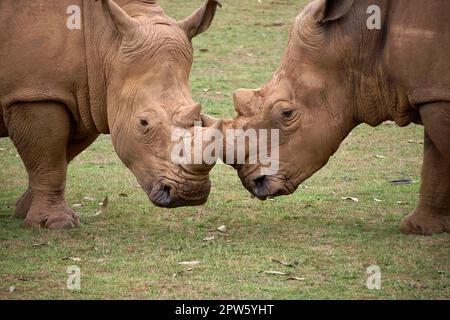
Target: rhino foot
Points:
(23, 205)
(425, 224)
(55, 218)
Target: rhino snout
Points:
(264, 187)
(168, 195)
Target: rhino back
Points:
(40, 58)
(418, 47)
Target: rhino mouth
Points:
(264, 187)
(167, 194)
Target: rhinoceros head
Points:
(148, 97)
(305, 102)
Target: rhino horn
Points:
(242, 102)
(213, 134)
(208, 121)
(213, 131)
(186, 114)
(213, 127)
(118, 18)
(209, 134)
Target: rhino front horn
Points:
(215, 126)
(208, 121)
(213, 133)
(186, 114)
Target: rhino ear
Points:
(200, 20)
(330, 10)
(243, 102)
(117, 18)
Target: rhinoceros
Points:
(123, 70)
(340, 70)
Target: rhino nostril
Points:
(162, 195)
(260, 182)
(259, 189)
(166, 190)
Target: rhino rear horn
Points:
(243, 102)
(217, 126)
(330, 10)
(200, 20)
(117, 18)
(213, 133)
(208, 121)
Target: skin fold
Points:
(125, 72)
(337, 73)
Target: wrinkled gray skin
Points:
(125, 73)
(337, 74)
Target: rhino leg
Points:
(74, 148)
(432, 214)
(40, 132)
(23, 204)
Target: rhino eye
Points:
(287, 114)
(143, 122)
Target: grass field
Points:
(133, 249)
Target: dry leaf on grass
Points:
(24, 278)
(401, 182)
(89, 198)
(413, 141)
(285, 263)
(222, 228)
(103, 206)
(40, 244)
(176, 274)
(351, 199)
(190, 263)
(275, 24)
(274, 272)
(207, 239)
(295, 279)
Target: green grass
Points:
(132, 250)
